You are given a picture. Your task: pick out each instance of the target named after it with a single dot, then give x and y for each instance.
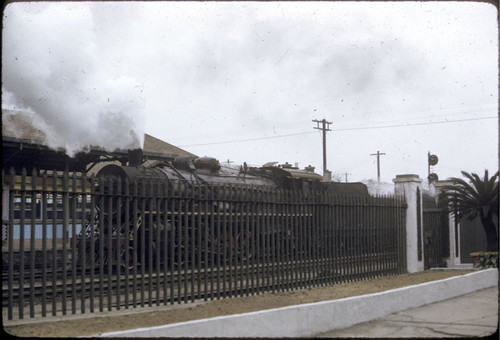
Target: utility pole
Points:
(378, 163)
(346, 176)
(325, 126)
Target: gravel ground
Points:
(95, 324)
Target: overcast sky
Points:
(242, 81)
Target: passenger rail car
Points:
(41, 213)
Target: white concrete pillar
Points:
(454, 260)
(408, 186)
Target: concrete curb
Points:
(308, 319)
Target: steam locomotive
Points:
(207, 170)
(193, 209)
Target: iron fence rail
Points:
(93, 244)
(436, 234)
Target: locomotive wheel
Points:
(244, 248)
(220, 247)
(132, 258)
(95, 257)
(179, 250)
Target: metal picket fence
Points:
(75, 244)
(436, 234)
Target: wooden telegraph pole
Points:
(378, 163)
(325, 126)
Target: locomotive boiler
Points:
(192, 210)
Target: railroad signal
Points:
(431, 161)
(433, 178)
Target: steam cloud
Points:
(54, 71)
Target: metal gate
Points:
(436, 234)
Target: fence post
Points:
(410, 186)
(453, 228)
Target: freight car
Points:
(192, 209)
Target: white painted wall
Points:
(454, 260)
(309, 319)
(406, 185)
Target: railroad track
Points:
(176, 285)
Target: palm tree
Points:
(479, 197)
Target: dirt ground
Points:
(94, 325)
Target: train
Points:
(118, 215)
(193, 209)
(208, 170)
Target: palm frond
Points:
(478, 196)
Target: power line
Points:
(412, 124)
(341, 129)
(251, 139)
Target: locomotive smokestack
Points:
(135, 157)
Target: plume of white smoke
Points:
(52, 68)
(376, 188)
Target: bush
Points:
(484, 260)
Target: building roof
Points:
(18, 125)
(23, 146)
(155, 145)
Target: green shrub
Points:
(486, 260)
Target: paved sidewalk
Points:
(471, 315)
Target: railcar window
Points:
(28, 212)
(80, 202)
(54, 207)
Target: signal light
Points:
(433, 159)
(432, 178)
